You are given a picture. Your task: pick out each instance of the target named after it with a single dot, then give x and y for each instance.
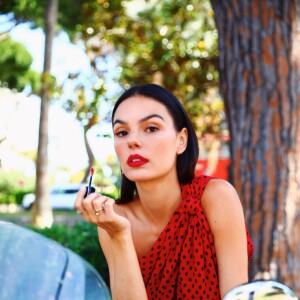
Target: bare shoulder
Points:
(219, 192)
(221, 203)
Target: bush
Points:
(82, 238)
(13, 187)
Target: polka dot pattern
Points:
(182, 263)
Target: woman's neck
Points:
(159, 199)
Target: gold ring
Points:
(98, 212)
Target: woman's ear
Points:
(182, 139)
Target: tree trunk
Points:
(90, 157)
(42, 213)
(259, 76)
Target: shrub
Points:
(13, 187)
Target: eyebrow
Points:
(118, 121)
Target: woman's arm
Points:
(224, 212)
(115, 238)
(126, 280)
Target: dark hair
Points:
(186, 161)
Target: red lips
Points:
(136, 160)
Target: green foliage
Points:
(86, 108)
(71, 14)
(15, 62)
(170, 43)
(24, 10)
(174, 43)
(86, 21)
(82, 238)
(13, 186)
(175, 40)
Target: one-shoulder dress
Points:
(182, 263)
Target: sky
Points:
(66, 144)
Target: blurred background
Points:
(62, 67)
(234, 65)
(98, 49)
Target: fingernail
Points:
(82, 189)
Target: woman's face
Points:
(145, 138)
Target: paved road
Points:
(58, 219)
(15, 215)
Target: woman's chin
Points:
(139, 176)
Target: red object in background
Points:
(221, 170)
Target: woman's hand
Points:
(99, 210)
(116, 242)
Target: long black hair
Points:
(186, 161)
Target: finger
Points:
(107, 205)
(99, 205)
(95, 207)
(104, 207)
(90, 215)
(79, 198)
(100, 216)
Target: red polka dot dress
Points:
(182, 263)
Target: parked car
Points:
(33, 266)
(61, 197)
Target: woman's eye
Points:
(121, 133)
(151, 129)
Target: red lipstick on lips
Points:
(136, 160)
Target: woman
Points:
(169, 235)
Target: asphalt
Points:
(14, 215)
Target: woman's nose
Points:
(134, 141)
